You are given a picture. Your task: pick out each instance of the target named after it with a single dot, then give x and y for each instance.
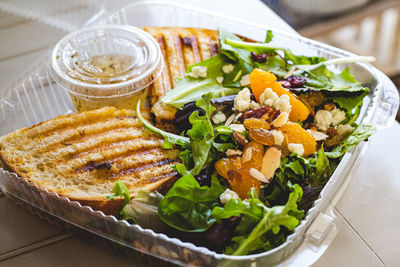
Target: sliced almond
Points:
(280, 120)
(230, 120)
(247, 154)
(318, 136)
(271, 162)
(258, 175)
(237, 127)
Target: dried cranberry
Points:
(296, 81)
(261, 58)
(255, 113)
(286, 84)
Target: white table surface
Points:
(368, 210)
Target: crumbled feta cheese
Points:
(296, 148)
(344, 129)
(227, 68)
(337, 116)
(242, 100)
(280, 120)
(219, 79)
(323, 118)
(245, 80)
(219, 117)
(254, 104)
(237, 128)
(283, 104)
(198, 72)
(268, 97)
(227, 195)
(278, 137)
(256, 174)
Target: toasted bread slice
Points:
(180, 47)
(80, 156)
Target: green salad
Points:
(261, 130)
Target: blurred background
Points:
(364, 27)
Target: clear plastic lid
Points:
(106, 61)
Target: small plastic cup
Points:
(107, 65)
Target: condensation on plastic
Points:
(36, 97)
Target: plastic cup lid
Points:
(106, 61)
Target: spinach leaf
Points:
(361, 133)
(347, 101)
(191, 89)
(188, 207)
(142, 210)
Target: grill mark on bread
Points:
(172, 58)
(82, 134)
(214, 49)
(195, 48)
(149, 175)
(137, 146)
(179, 53)
(109, 145)
(138, 168)
(66, 121)
(165, 79)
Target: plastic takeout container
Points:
(106, 65)
(37, 97)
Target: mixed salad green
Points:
(230, 135)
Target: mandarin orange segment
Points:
(254, 123)
(262, 136)
(294, 133)
(260, 80)
(241, 182)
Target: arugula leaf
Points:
(257, 220)
(120, 190)
(143, 209)
(190, 89)
(169, 138)
(232, 52)
(361, 133)
(188, 206)
(269, 36)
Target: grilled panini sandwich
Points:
(81, 156)
(180, 47)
